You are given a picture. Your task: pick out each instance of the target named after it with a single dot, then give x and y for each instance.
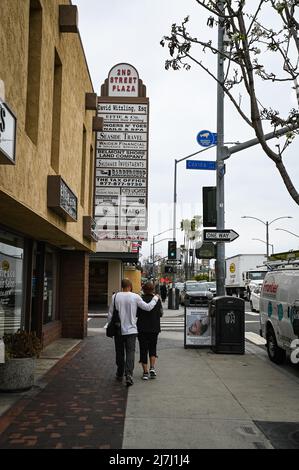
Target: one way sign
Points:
(219, 235)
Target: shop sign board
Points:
(197, 327)
(8, 126)
(61, 199)
(122, 157)
(123, 235)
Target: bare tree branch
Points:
(249, 40)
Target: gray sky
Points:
(182, 104)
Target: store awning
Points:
(124, 257)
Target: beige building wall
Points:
(114, 278)
(23, 187)
(135, 277)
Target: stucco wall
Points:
(114, 278)
(26, 182)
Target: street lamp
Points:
(153, 249)
(265, 243)
(267, 226)
(284, 230)
(175, 185)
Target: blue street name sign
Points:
(200, 165)
(207, 138)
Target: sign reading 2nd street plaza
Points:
(122, 157)
(8, 124)
(123, 81)
(219, 235)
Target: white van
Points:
(279, 310)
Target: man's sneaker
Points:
(153, 373)
(145, 376)
(129, 380)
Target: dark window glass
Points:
(50, 286)
(11, 282)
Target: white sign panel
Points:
(126, 173)
(7, 135)
(124, 118)
(114, 145)
(124, 109)
(198, 328)
(134, 192)
(107, 191)
(123, 81)
(124, 127)
(121, 163)
(121, 154)
(122, 235)
(121, 182)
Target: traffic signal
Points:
(172, 250)
(209, 207)
(207, 251)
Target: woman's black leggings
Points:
(147, 346)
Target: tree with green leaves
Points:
(261, 45)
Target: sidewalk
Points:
(199, 400)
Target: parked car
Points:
(180, 286)
(279, 311)
(195, 293)
(255, 298)
(212, 287)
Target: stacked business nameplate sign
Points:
(122, 158)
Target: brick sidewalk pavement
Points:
(80, 406)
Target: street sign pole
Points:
(220, 263)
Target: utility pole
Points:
(220, 263)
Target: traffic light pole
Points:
(220, 262)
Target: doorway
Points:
(98, 286)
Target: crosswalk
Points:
(172, 324)
(178, 324)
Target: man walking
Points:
(127, 303)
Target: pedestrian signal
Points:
(169, 269)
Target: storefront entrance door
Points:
(98, 286)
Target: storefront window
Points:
(11, 282)
(50, 286)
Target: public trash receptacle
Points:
(227, 316)
(174, 299)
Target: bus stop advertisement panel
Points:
(197, 327)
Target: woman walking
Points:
(148, 326)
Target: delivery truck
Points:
(241, 270)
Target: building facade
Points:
(47, 169)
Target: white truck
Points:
(241, 270)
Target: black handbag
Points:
(114, 326)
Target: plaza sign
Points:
(8, 125)
(122, 157)
(123, 81)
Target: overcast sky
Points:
(183, 103)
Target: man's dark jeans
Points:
(125, 354)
